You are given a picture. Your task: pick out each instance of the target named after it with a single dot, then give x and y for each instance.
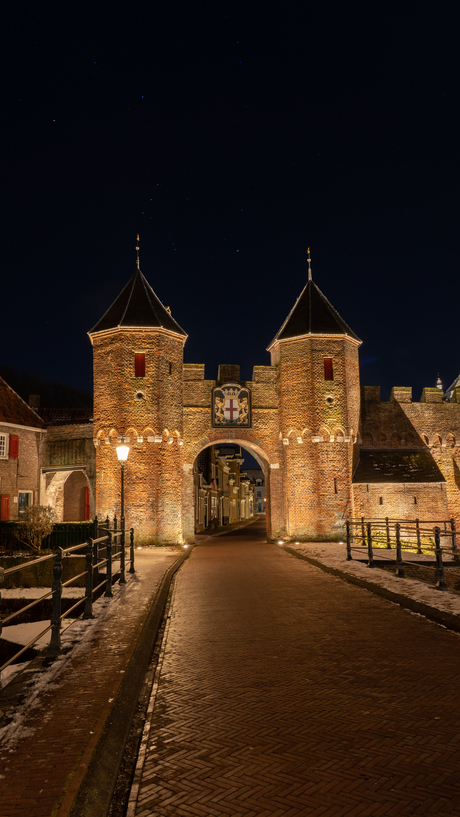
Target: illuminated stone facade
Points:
(312, 429)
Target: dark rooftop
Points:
(137, 305)
(13, 409)
(312, 314)
(396, 466)
(66, 416)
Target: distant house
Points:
(22, 433)
(68, 464)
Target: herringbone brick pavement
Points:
(285, 692)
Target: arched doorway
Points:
(217, 488)
(69, 493)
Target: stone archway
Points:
(69, 493)
(270, 468)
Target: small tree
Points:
(36, 524)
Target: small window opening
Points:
(415, 500)
(170, 368)
(139, 365)
(328, 372)
(367, 488)
(335, 485)
(380, 500)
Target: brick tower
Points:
(319, 410)
(138, 399)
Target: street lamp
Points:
(122, 454)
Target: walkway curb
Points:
(448, 620)
(99, 775)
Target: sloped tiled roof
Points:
(312, 314)
(66, 416)
(137, 306)
(396, 466)
(13, 409)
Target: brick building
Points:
(21, 435)
(327, 447)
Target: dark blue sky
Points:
(231, 136)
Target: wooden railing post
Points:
(89, 581)
(108, 586)
(370, 552)
(454, 540)
(131, 550)
(54, 648)
(399, 561)
(440, 581)
(347, 525)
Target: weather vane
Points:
(137, 250)
(309, 264)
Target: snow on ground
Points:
(334, 555)
(78, 638)
(37, 592)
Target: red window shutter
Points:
(328, 373)
(139, 365)
(14, 446)
(86, 504)
(4, 508)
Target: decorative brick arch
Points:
(262, 453)
(55, 493)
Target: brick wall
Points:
(319, 422)
(23, 473)
(148, 412)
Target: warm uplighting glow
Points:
(122, 452)
(139, 547)
(185, 546)
(297, 543)
(280, 542)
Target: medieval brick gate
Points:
(301, 417)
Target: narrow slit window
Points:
(380, 500)
(170, 368)
(328, 371)
(415, 500)
(139, 365)
(335, 485)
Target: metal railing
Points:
(100, 552)
(405, 536)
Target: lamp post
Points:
(122, 454)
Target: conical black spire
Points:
(137, 306)
(312, 314)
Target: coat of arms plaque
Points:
(231, 406)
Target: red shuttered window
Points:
(328, 372)
(4, 507)
(14, 447)
(139, 365)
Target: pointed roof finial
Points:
(309, 264)
(137, 251)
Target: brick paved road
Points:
(285, 691)
(64, 723)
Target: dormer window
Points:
(328, 371)
(139, 365)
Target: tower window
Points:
(415, 500)
(380, 500)
(170, 368)
(328, 373)
(139, 365)
(335, 485)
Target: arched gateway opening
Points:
(229, 486)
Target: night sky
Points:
(232, 136)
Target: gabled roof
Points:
(396, 466)
(137, 306)
(13, 409)
(312, 314)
